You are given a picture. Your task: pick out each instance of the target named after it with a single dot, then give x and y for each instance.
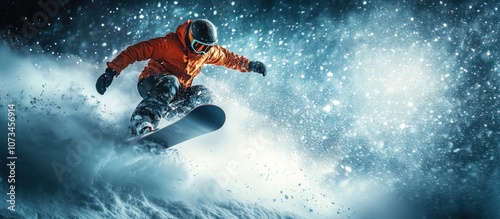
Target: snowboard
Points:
(199, 121)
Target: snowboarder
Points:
(174, 61)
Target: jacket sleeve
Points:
(144, 50)
(223, 57)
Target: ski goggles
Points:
(198, 46)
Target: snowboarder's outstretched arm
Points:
(223, 57)
(150, 49)
(144, 50)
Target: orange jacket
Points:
(171, 55)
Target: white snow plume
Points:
(71, 163)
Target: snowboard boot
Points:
(143, 122)
(143, 128)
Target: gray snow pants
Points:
(163, 97)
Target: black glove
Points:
(105, 80)
(258, 67)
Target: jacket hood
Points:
(181, 32)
